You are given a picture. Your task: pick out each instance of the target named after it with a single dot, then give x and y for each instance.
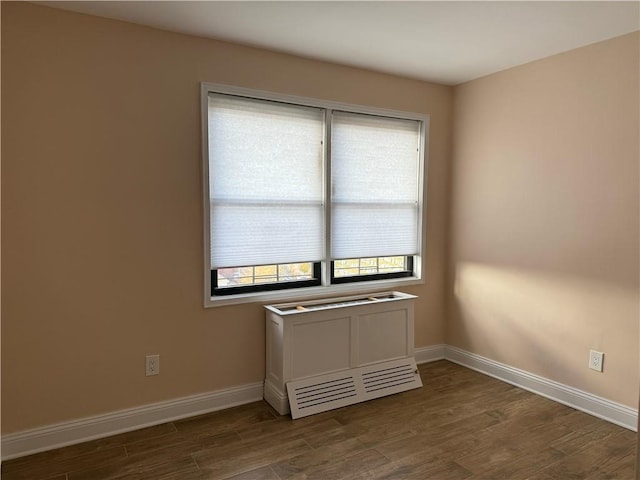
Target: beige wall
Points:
(545, 217)
(102, 230)
(101, 210)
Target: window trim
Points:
(325, 288)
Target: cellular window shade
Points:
(265, 182)
(375, 186)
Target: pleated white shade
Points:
(265, 182)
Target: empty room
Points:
(320, 240)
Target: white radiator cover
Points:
(335, 352)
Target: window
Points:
(307, 194)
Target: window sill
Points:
(295, 294)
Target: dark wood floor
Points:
(460, 425)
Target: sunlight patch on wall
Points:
(546, 323)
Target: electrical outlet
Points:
(596, 360)
(152, 365)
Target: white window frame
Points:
(325, 288)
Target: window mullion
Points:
(328, 200)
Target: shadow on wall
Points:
(545, 323)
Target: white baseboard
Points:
(277, 399)
(429, 354)
(78, 431)
(580, 400)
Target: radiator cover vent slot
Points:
(389, 377)
(326, 392)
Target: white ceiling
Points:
(445, 42)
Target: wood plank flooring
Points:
(460, 425)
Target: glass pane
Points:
(262, 274)
(352, 267)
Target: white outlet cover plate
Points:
(595, 360)
(152, 365)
